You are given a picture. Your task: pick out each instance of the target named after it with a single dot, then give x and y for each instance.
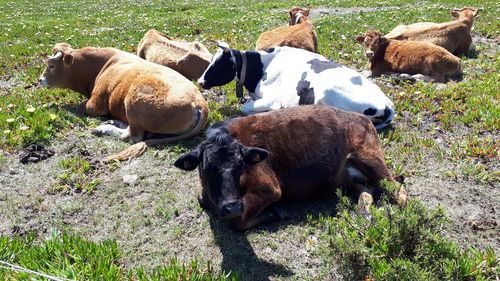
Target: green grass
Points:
(457, 125)
(72, 257)
(402, 244)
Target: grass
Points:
(72, 257)
(455, 127)
(402, 244)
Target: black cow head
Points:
(221, 70)
(221, 160)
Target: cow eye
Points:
(52, 66)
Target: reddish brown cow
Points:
(249, 163)
(149, 97)
(299, 34)
(413, 57)
(455, 36)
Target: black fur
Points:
(254, 70)
(305, 91)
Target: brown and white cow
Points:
(188, 58)
(147, 96)
(300, 33)
(249, 163)
(412, 57)
(455, 36)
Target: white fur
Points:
(333, 87)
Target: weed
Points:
(402, 244)
(76, 174)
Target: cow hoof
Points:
(96, 132)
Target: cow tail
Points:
(138, 149)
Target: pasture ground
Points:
(444, 142)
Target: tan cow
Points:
(455, 36)
(412, 57)
(299, 34)
(147, 96)
(188, 58)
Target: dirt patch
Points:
(332, 11)
(156, 215)
(324, 11)
(7, 83)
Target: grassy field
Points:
(73, 217)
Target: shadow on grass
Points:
(238, 255)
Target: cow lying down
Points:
(248, 163)
(283, 77)
(148, 97)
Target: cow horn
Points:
(57, 56)
(220, 44)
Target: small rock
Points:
(130, 179)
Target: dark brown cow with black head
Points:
(246, 164)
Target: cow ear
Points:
(68, 59)
(305, 12)
(224, 46)
(188, 161)
(252, 155)
(360, 39)
(455, 13)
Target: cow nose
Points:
(369, 54)
(232, 209)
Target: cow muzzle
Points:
(369, 54)
(202, 83)
(43, 82)
(233, 209)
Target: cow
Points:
(455, 36)
(412, 57)
(188, 58)
(283, 77)
(299, 33)
(249, 163)
(144, 96)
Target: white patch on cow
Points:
(333, 86)
(356, 174)
(43, 81)
(299, 15)
(110, 130)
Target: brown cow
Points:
(413, 57)
(248, 163)
(149, 97)
(188, 58)
(455, 36)
(299, 34)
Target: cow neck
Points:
(379, 56)
(248, 68)
(87, 65)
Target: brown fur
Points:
(301, 35)
(455, 36)
(147, 96)
(342, 137)
(188, 58)
(413, 57)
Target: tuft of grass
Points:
(402, 244)
(73, 257)
(76, 174)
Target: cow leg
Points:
(260, 105)
(262, 189)
(108, 130)
(133, 134)
(256, 211)
(371, 164)
(94, 106)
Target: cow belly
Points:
(306, 182)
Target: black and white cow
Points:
(283, 77)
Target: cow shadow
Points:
(238, 255)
